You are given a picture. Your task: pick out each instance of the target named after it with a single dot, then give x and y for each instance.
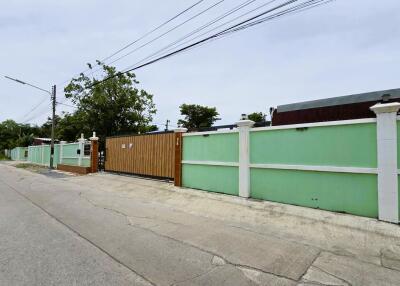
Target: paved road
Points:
(113, 230)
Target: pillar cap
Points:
(82, 139)
(94, 137)
(180, 130)
(385, 107)
(244, 123)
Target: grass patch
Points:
(30, 167)
(3, 157)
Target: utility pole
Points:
(53, 100)
(166, 124)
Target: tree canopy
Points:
(109, 107)
(197, 116)
(256, 116)
(13, 134)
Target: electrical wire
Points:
(144, 36)
(198, 42)
(252, 21)
(215, 20)
(37, 114)
(152, 31)
(43, 100)
(234, 28)
(160, 36)
(61, 103)
(171, 47)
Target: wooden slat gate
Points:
(148, 154)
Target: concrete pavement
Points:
(151, 232)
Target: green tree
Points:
(70, 127)
(45, 129)
(9, 133)
(256, 116)
(197, 116)
(110, 107)
(13, 134)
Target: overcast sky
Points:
(345, 47)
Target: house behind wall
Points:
(348, 107)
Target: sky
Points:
(344, 47)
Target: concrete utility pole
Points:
(53, 100)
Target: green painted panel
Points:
(218, 179)
(18, 154)
(75, 162)
(46, 154)
(69, 150)
(398, 144)
(214, 147)
(56, 157)
(339, 192)
(72, 162)
(340, 145)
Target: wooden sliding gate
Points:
(152, 155)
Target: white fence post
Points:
(61, 154)
(42, 146)
(388, 204)
(81, 148)
(244, 157)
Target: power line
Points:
(152, 31)
(162, 35)
(225, 31)
(252, 21)
(230, 21)
(234, 28)
(235, 9)
(35, 107)
(145, 35)
(299, 8)
(37, 114)
(61, 103)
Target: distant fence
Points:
(19, 154)
(73, 154)
(344, 166)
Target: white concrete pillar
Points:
(81, 148)
(388, 203)
(42, 153)
(244, 157)
(61, 153)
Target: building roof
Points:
(341, 100)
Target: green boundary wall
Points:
(222, 148)
(210, 163)
(339, 146)
(40, 154)
(19, 154)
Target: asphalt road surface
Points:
(113, 230)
